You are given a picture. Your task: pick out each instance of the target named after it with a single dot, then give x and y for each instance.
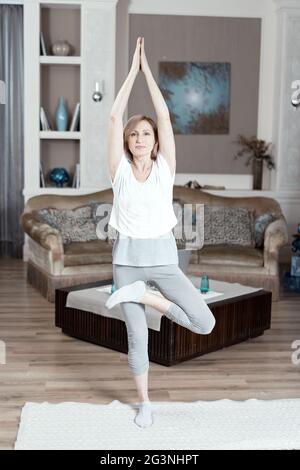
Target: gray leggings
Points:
(188, 307)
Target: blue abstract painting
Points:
(197, 95)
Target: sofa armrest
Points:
(48, 237)
(276, 236)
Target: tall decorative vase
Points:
(61, 115)
(257, 169)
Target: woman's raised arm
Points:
(164, 125)
(115, 126)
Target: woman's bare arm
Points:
(115, 126)
(165, 130)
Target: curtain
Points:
(11, 130)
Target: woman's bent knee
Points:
(205, 328)
(209, 326)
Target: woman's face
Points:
(141, 140)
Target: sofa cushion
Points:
(231, 225)
(261, 222)
(75, 225)
(231, 255)
(91, 252)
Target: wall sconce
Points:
(295, 102)
(99, 91)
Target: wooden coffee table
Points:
(237, 319)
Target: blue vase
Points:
(61, 115)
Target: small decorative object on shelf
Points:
(42, 178)
(43, 45)
(59, 176)
(76, 176)
(204, 285)
(45, 126)
(61, 48)
(61, 115)
(195, 185)
(74, 126)
(258, 150)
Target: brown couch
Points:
(51, 264)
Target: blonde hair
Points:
(130, 125)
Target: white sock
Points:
(130, 293)
(144, 416)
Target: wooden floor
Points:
(42, 364)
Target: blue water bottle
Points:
(113, 288)
(204, 285)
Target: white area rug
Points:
(221, 424)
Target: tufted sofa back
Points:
(187, 195)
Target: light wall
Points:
(204, 39)
(239, 31)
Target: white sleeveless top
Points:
(143, 209)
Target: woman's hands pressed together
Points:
(136, 61)
(144, 62)
(139, 61)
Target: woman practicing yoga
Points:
(141, 161)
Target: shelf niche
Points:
(59, 154)
(59, 80)
(61, 22)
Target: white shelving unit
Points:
(89, 27)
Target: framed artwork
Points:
(197, 95)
